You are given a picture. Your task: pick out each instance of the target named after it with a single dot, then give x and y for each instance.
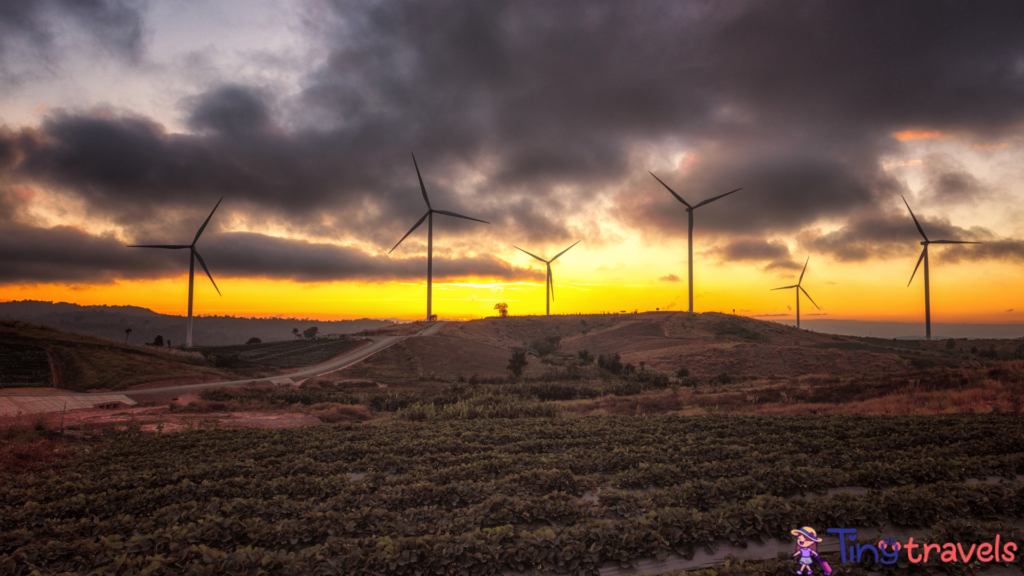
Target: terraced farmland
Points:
(23, 364)
(565, 495)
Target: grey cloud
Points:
(529, 113)
(669, 278)
(232, 110)
(29, 28)
(66, 254)
(758, 250)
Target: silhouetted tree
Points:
(127, 333)
(295, 332)
(502, 309)
(950, 344)
(254, 340)
(517, 362)
(158, 341)
(584, 356)
(310, 332)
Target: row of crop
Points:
(274, 523)
(154, 462)
(580, 548)
(125, 494)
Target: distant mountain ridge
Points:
(110, 322)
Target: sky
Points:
(124, 122)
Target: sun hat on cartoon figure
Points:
(807, 532)
(807, 549)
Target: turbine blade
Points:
(919, 229)
(678, 197)
(551, 283)
(447, 213)
(802, 271)
(168, 246)
(710, 200)
(203, 227)
(534, 255)
(809, 298)
(952, 242)
(918, 264)
(203, 264)
(566, 250)
(414, 227)
(422, 187)
(785, 287)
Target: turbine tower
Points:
(549, 292)
(191, 267)
(924, 256)
(799, 289)
(429, 217)
(689, 243)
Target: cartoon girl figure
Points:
(806, 549)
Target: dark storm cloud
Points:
(29, 29)
(231, 110)
(69, 255)
(529, 113)
(871, 235)
(758, 250)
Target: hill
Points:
(707, 344)
(34, 356)
(110, 322)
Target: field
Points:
(85, 363)
(288, 354)
(569, 495)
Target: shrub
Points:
(516, 363)
(611, 363)
(254, 340)
(584, 356)
(683, 372)
(545, 346)
(950, 344)
(723, 378)
(332, 412)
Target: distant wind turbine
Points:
(549, 292)
(924, 256)
(689, 243)
(429, 217)
(800, 289)
(191, 267)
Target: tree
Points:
(545, 346)
(584, 356)
(158, 341)
(295, 332)
(502, 309)
(254, 340)
(310, 332)
(683, 372)
(517, 362)
(950, 344)
(127, 333)
(168, 342)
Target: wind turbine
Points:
(429, 217)
(924, 256)
(549, 292)
(800, 289)
(191, 267)
(689, 243)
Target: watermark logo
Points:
(888, 550)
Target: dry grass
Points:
(332, 412)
